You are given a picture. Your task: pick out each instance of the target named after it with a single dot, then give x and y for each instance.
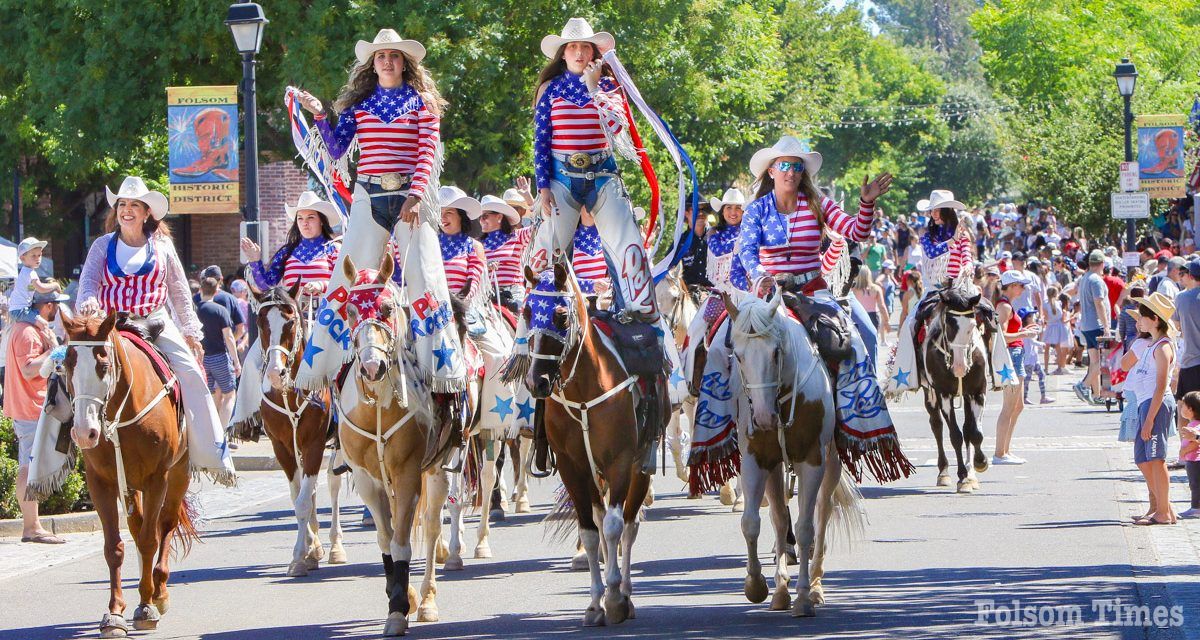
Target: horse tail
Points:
(847, 518)
(185, 530)
(561, 521)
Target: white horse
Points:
(786, 415)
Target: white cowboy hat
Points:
(134, 189)
(454, 198)
(309, 200)
(941, 199)
(787, 146)
(498, 205)
(923, 204)
(389, 39)
(514, 198)
(732, 196)
(577, 30)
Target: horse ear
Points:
(386, 269)
(730, 306)
(974, 301)
(107, 325)
(530, 277)
(776, 298)
(64, 312)
(348, 268)
(294, 290)
(560, 275)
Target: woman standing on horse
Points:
(579, 123)
(133, 268)
(946, 247)
(306, 259)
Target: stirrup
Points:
(551, 466)
(454, 460)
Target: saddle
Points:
(827, 330)
(157, 361)
(637, 344)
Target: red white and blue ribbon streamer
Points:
(311, 148)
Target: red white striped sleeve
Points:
(830, 257)
(855, 228)
(960, 256)
(429, 135)
(476, 270)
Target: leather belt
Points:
(582, 160)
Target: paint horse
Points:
(385, 421)
(679, 308)
(593, 430)
(298, 425)
(786, 419)
(129, 424)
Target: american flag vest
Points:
(140, 293)
(463, 268)
(301, 268)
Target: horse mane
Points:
(756, 316)
(959, 299)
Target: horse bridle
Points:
(572, 341)
(387, 351)
(948, 348)
(290, 356)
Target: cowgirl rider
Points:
(504, 243)
(578, 117)
(134, 269)
(305, 260)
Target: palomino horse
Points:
(384, 427)
(786, 415)
(679, 308)
(298, 425)
(128, 424)
(953, 363)
(592, 429)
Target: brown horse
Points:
(298, 425)
(129, 427)
(592, 429)
(385, 422)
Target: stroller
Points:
(1112, 377)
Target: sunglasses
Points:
(787, 165)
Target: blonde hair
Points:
(863, 280)
(363, 80)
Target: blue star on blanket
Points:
(503, 407)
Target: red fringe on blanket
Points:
(879, 451)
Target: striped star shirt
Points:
(777, 243)
(465, 272)
(504, 252)
(568, 120)
(588, 258)
(311, 260)
(396, 133)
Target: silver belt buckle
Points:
(391, 181)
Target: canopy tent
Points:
(8, 261)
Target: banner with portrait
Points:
(202, 145)
(1161, 167)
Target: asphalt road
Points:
(1051, 533)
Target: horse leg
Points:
(932, 407)
(586, 499)
(297, 568)
(406, 485)
(178, 480)
(337, 553)
(754, 483)
(521, 460)
(308, 545)
(829, 482)
(808, 477)
(487, 482)
(681, 424)
(616, 608)
(437, 484)
(146, 537)
(372, 494)
(972, 411)
(956, 441)
(639, 486)
(777, 506)
(454, 504)
(104, 496)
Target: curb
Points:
(88, 521)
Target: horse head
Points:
(91, 369)
(373, 316)
(281, 332)
(759, 348)
(956, 327)
(550, 313)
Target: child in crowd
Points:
(20, 303)
(1033, 356)
(1189, 450)
(1057, 335)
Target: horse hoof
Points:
(112, 625)
(726, 495)
(694, 496)
(312, 564)
(964, 486)
(817, 596)
(616, 609)
(441, 551)
(396, 625)
(483, 550)
(792, 558)
(316, 553)
(982, 465)
(593, 617)
(163, 604)
(523, 505)
(756, 588)
(629, 605)
(803, 608)
(974, 483)
(297, 569)
(739, 506)
(427, 613)
(145, 617)
(782, 600)
(337, 554)
(649, 500)
(681, 472)
(579, 562)
(943, 480)
(497, 515)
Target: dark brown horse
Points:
(128, 425)
(592, 429)
(298, 425)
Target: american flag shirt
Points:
(587, 260)
(567, 120)
(311, 260)
(724, 264)
(776, 243)
(504, 252)
(140, 293)
(396, 133)
(938, 241)
(465, 272)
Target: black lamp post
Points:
(246, 21)
(1126, 75)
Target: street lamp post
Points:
(246, 21)
(1126, 75)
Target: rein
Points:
(286, 387)
(948, 349)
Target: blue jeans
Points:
(583, 190)
(385, 210)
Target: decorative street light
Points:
(1126, 75)
(246, 21)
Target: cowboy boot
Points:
(541, 445)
